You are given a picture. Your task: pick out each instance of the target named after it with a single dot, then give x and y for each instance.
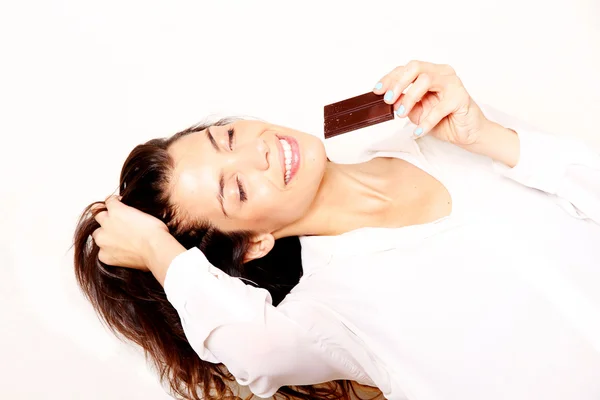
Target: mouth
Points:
(289, 154)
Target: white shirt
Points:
(499, 300)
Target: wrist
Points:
(497, 142)
(160, 250)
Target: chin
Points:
(315, 151)
(313, 156)
(315, 163)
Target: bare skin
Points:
(383, 192)
(323, 198)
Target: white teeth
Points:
(285, 144)
(287, 152)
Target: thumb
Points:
(435, 115)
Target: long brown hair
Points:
(134, 305)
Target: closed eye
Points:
(243, 195)
(230, 134)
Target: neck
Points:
(323, 214)
(348, 198)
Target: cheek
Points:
(264, 199)
(273, 205)
(264, 192)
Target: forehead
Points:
(192, 149)
(187, 148)
(194, 180)
(197, 167)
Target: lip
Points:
(295, 156)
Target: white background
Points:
(82, 82)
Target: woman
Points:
(425, 271)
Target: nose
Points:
(251, 155)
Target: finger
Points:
(101, 217)
(104, 257)
(384, 83)
(398, 107)
(387, 81)
(435, 115)
(398, 82)
(97, 206)
(98, 237)
(416, 113)
(388, 84)
(415, 93)
(112, 201)
(406, 76)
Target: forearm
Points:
(560, 165)
(162, 248)
(499, 143)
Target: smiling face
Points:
(247, 175)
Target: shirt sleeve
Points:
(229, 322)
(559, 165)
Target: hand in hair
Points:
(125, 234)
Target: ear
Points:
(260, 246)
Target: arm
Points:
(228, 322)
(434, 98)
(558, 165)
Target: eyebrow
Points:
(212, 140)
(220, 196)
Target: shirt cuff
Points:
(206, 298)
(183, 274)
(543, 160)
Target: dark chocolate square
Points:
(355, 113)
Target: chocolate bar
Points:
(355, 113)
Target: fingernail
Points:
(418, 131)
(389, 95)
(378, 86)
(400, 110)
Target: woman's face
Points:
(247, 175)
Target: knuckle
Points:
(107, 257)
(97, 237)
(111, 200)
(451, 82)
(456, 80)
(101, 218)
(97, 207)
(426, 79)
(447, 69)
(456, 90)
(102, 257)
(412, 67)
(445, 82)
(413, 64)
